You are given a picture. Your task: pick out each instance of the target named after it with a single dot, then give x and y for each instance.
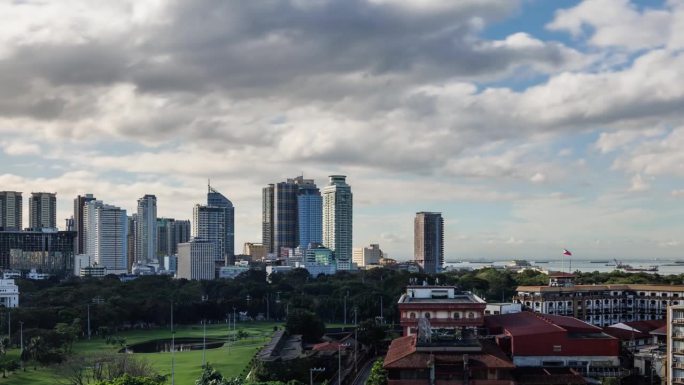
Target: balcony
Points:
(678, 321)
(678, 336)
(678, 365)
(678, 380)
(678, 351)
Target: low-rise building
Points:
(502, 308)
(536, 340)
(231, 272)
(367, 256)
(445, 307)
(9, 293)
(602, 305)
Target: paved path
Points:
(364, 373)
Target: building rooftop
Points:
(528, 323)
(403, 353)
(587, 288)
(416, 294)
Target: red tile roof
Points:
(528, 323)
(402, 354)
(400, 348)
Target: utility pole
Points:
(339, 362)
(382, 319)
(311, 373)
(9, 325)
(21, 342)
(268, 318)
(204, 344)
(173, 350)
(356, 339)
(345, 308)
(88, 305)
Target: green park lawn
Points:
(230, 360)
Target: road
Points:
(364, 373)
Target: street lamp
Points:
(21, 342)
(339, 362)
(311, 373)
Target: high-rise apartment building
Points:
(43, 210)
(310, 212)
(79, 202)
(106, 235)
(196, 259)
(181, 234)
(280, 213)
(209, 225)
(428, 241)
(256, 251)
(267, 217)
(146, 230)
(46, 250)
(367, 256)
(216, 199)
(132, 228)
(337, 220)
(10, 211)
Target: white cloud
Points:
(16, 148)
(639, 184)
(611, 23)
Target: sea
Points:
(665, 266)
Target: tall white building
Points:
(366, 256)
(337, 220)
(146, 230)
(105, 234)
(43, 210)
(196, 260)
(11, 211)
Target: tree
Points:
(378, 375)
(128, 380)
(210, 376)
(306, 323)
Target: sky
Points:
(532, 125)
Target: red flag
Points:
(566, 252)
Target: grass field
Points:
(230, 360)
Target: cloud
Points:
(616, 27)
(16, 148)
(639, 184)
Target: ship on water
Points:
(619, 265)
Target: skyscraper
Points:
(181, 234)
(146, 231)
(215, 222)
(209, 225)
(216, 199)
(310, 212)
(428, 241)
(105, 231)
(43, 210)
(11, 211)
(267, 217)
(79, 202)
(337, 220)
(132, 228)
(280, 216)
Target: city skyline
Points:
(530, 125)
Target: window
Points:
(457, 315)
(471, 315)
(427, 315)
(413, 315)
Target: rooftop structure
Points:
(445, 307)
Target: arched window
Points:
(427, 315)
(457, 315)
(471, 315)
(413, 315)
